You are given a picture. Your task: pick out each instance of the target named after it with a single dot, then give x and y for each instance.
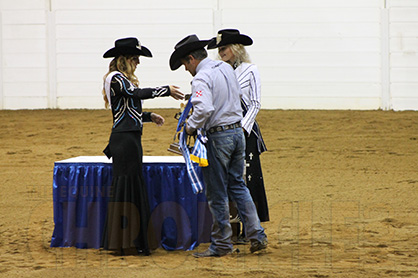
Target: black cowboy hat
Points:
(229, 36)
(127, 46)
(183, 48)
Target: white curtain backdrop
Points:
(312, 54)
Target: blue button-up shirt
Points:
(216, 95)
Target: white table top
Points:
(104, 159)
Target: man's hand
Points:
(189, 130)
(175, 92)
(158, 119)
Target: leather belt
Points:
(223, 127)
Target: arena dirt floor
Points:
(342, 188)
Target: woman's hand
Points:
(158, 119)
(175, 92)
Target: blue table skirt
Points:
(81, 190)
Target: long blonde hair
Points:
(240, 53)
(122, 65)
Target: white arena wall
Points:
(312, 54)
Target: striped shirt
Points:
(249, 81)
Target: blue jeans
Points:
(223, 177)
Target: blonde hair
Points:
(240, 53)
(122, 65)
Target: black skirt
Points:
(128, 211)
(254, 177)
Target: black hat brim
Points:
(175, 59)
(234, 39)
(118, 51)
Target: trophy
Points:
(174, 146)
